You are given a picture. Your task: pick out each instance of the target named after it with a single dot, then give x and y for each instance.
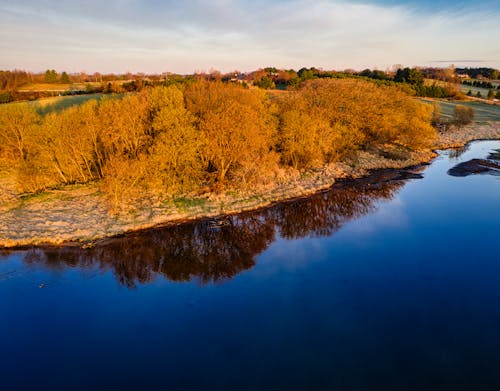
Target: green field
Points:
(483, 112)
(483, 91)
(58, 103)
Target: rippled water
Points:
(386, 285)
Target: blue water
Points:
(388, 286)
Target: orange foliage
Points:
(164, 142)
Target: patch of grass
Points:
(56, 104)
(50, 87)
(61, 192)
(392, 152)
(465, 89)
(252, 199)
(184, 203)
(60, 103)
(42, 196)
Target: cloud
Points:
(153, 35)
(455, 61)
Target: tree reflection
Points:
(326, 213)
(455, 153)
(215, 250)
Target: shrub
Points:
(5, 97)
(462, 115)
(436, 113)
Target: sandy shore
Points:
(79, 214)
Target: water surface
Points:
(386, 285)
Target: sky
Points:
(184, 36)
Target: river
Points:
(387, 284)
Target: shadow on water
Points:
(216, 250)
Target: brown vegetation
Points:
(164, 142)
(329, 119)
(462, 115)
(238, 128)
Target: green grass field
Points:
(483, 112)
(58, 103)
(483, 91)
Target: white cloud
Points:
(187, 35)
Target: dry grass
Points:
(456, 138)
(51, 87)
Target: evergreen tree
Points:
(50, 76)
(265, 83)
(411, 76)
(65, 78)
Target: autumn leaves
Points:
(174, 140)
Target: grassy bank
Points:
(78, 213)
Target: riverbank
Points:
(78, 214)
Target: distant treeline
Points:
(266, 78)
(474, 73)
(12, 83)
(191, 138)
(412, 80)
(13, 79)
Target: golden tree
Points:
(18, 124)
(238, 127)
(175, 160)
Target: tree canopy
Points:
(172, 140)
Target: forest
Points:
(205, 136)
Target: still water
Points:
(387, 285)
